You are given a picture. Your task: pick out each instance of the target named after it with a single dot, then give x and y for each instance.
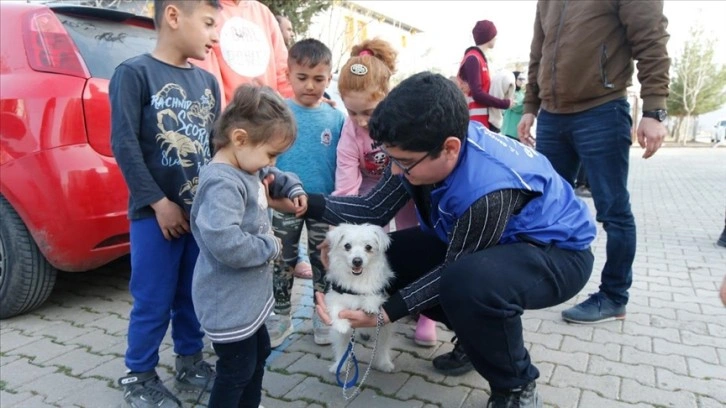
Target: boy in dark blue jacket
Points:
(162, 112)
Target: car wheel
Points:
(26, 278)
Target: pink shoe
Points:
(303, 270)
(425, 332)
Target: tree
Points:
(299, 12)
(140, 7)
(698, 84)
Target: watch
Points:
(659, 114)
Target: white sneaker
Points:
(279, 327)
(321, 331)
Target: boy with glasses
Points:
(500, 231)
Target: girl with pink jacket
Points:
(363, 83)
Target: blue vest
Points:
(490, 162)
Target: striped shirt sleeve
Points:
(480, 227)
(377, 207)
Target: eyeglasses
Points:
(407, 169)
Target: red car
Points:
(63, 200)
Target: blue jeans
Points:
(600, 140)
(161, 286)
(240, 368)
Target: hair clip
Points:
(365, 52)
(358, 69)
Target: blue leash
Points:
(348, 351)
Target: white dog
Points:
(359, 274)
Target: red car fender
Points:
(74, 203)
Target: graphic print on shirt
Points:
(375, 162)
(262, 205)
(245, 47)
(326, 137)
(262, 197)
(183, 138)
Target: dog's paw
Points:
(370, 309)
(384, 366)
(341, 326)
(333, 368)
(371, 305)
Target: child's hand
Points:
(171, 218)
(324, 248)
(301, 205)
(277, 256)
(328, 101)
(282, 204)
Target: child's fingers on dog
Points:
(324, 317)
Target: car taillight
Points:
(49, 47)
(97, 110)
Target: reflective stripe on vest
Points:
(475, 109)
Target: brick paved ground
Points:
(670, 352)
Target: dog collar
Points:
(343, 291)
(339, 289)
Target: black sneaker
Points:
(523, 397)
(145, 390)
(455, 362)
(722, 239)
(595, 309)
(193, 373)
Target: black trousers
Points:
(483, 295)
(240, 368)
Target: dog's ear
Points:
(335, 235)
(384, 240)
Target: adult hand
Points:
(524, 128)
(171, 218)
(650, 136)
(357, 318)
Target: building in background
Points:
(347, 23)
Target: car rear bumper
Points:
(74, 202)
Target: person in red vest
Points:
(474, 71)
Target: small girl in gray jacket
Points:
(232, 284)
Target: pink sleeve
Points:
(280, 50)
(348, 177)
(211, 65)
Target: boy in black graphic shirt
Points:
(162, 112)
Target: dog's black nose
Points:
(357, 262)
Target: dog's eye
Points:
(369, 248)
(347, 247)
